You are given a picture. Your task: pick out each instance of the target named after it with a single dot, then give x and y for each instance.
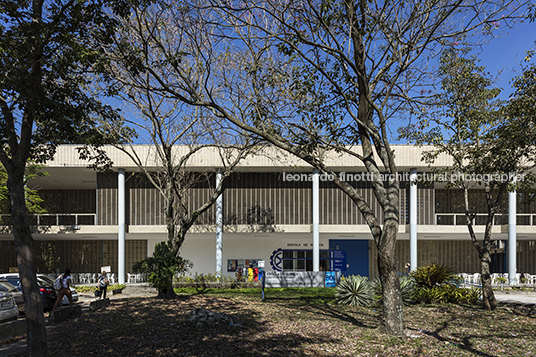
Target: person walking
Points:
(65, 280)
(103, 282)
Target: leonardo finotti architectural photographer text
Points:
(405, 176)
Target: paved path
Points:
(518, 297)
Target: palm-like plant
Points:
(354, 290)
(433, 275)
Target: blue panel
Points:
(357, 255)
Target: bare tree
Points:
(312, 78)
(176, 133)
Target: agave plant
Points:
(354, 291)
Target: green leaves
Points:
(432, 275)
(162, 266)
(354, 290)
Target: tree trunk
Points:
(35, 319)
(168, 292)
(393, 311)
(488, 297)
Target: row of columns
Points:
(512, 241)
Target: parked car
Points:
(7, 287)
(8, 308)
(48, 294)
(65, 299)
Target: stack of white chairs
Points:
(111, 277)
(476, 278)
(74, 278)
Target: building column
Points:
(413, 219)
(121, 225)
(219, 228)
(316, 221)
(512, 238)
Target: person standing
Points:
(103, 282)
(65, 280)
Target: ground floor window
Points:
(302, 260)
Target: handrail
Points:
(531, 216)
(39, 218)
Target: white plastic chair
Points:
(476, 278)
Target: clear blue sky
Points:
(507, 53)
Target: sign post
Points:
(260, 266)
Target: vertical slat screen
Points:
(459, 255)
(106, 199)
(265, 198)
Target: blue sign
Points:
(330, 279)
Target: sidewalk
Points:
(131, 290)
(517, 297)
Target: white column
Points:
(316, 221)
(413, 219)
(512, 239)
(219, 228)
(121, 225)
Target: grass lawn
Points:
(292, 322)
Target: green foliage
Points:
(446, 293)
(162, 266)
(91, 288)
(203, 282)
(407, 289)
(33, 200)
(354, 290)
(436, 283)
(500, 279)
(432, 275)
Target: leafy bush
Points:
(91, 288)
(407, 289)
(438, 284)
(446, 293)
(202, 282)
(433, 275)
(162, 267)
(354, 290)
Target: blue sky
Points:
(506, 53)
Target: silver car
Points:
(65, 301)
(8, 307)
(6, 287)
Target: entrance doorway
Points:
(357, 255)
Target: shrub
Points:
(354, 290)
(433, 275)
(162, 267)
(446, 293)
(202, 282)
